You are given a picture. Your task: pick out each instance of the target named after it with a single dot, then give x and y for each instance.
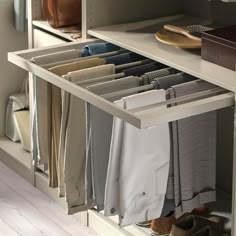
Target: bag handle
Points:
(25, 86)
(25, 89)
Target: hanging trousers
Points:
(194, 154)
(42, 104)
(75, 141)
(138, 166)
(100, 130)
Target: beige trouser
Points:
(72, 163)
(56, 112)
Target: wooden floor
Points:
(25, 211)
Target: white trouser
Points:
(142, 166)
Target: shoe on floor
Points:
(145, 224)
(204, 232)
(192, 224)
(162, 226)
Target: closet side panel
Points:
(10, 40)
(107, 12)
(200, 8)
(225, 133)
(223, 13)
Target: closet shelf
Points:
(16, 151)
(153, 117)
(41, 24)
(139, 37)
(112, 225)
(12, 154)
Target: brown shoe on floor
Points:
(191, 225)
(201, 211)
(162, 226)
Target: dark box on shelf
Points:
(219, 47)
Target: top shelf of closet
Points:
(139, 37)
(41, 24)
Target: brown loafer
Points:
(162, 226)
(192, 224)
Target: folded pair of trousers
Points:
(138, 165)
(73, 133)
(166, 82)
(42, 105)
(100, 125)
(99, 48)
(193, 158)
(56, 111)
(123, 58)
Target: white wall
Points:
(10, 77)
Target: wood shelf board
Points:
(16, 158)
(45, 26)
(137, 38)
(113, 221)
(16, 151)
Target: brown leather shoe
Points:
(201, 211)
(162, 226)
(192, 225)
(205, 232)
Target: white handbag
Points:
(19, 101)
(22, 122)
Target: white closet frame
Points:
(95, 14)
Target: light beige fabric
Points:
(42, 104)
(22, 120)
(56, 112)
(85, 75)
(78, 65)
(72, 164)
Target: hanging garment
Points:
(100, 130)
(57, 56)
(115, 85)
(78, 65)
(171, 80)
(99, 48)
(75, 142)
(148, 77)
(85, 75)
(142, 190)
(112, 193)
(20, 10)
(194, 154)
(42, 105)
(56, 112)
(140, 70)
(166, 82)
(138, 166)
(103, 55)
(123, 58)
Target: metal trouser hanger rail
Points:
(208, 93)
(115, 76)
(46, 66)
(153, 85)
